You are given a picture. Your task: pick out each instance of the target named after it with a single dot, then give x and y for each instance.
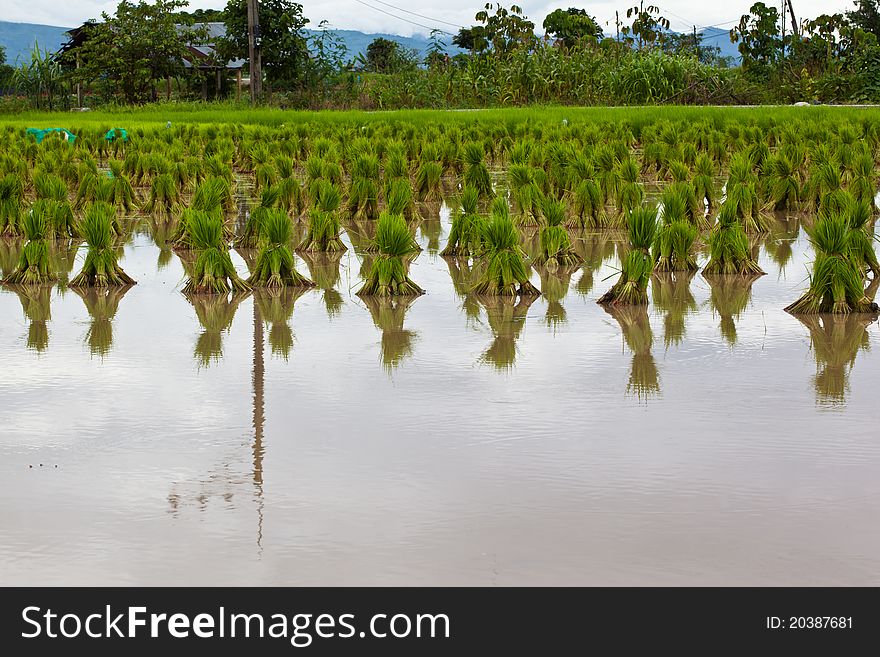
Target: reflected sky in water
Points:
(315, 437)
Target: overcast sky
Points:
(368, 16)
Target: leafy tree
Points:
(571, 26)
(648, 25)
(284, 50)
(437, 56)
(5, 70)
(472, 39)
(866, 16)
(506, 29)
(758, 37)
(130, 50)
(386, 56)
(39, 79)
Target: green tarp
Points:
(116, 133)
(40, 134)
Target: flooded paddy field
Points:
(318, 438)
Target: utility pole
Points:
(794, 23)
(782, 16)
(255, 69)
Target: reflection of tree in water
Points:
(644, 379)
(464, 276)
(388, 315)
(324, 271)
(554, 286)
(595, 248)
(835, 341)
(506, 317)
(730, 296)
(101, 304)
(10, 253)
(275, 307)
(780, 242)
(215, 313)
(62, 258)
(36, 302)
(671, 293)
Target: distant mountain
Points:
(19, 39)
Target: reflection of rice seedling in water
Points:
(465, 233)
(388, 275)
(100, 268)
(388, 315)
(837, 279)
(556, 248)
(644, 378)
(36, 304)
(324, 227)
(160, 232)
(275, 307)
(729, 248)
(671, 293)
(464, 277)
(783, 235)
(729, 297)
(506, 317)
(213, 272)
(274, 266)
(215, 313)
(594, 248)
(632, 286)
(10, 252)
(506, 272)
(324, 270)
(431, 230)
(11, 195)
(836, 341)
(101, 304)
(33, 265)
(554, 286)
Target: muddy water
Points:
(315, 438)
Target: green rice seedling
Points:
(506, 317)
(704, 181)
(742, 194)
(729, 297)
(836, 282)
(632, 286)
(644, 377)
(399, 199)
(213, 195)
(216, 167)
(363, 199)
(671, 293)
(673, 247)
(629, 191)
(102, 304)
(33, 265)
(506, 273)
(101, 268)
(825, 180)
(678, 171)
(324, 227)
(274, 266)
(253, 228)
(556, 249)
(164, 196)
(465, 233)
(476, 174)
(122, 193)
(213, 272)
(864, 180)
(428, 182)
(525, 192)
(729, 251)
(11, 197)
(783, 187)
(389, 314)
(291, 195)
(52, 201)
(265, 176)
(587, 204)
(859, 218)
(395, 244)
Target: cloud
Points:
(399, 17)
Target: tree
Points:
(506, 29)
(866, 16)
(5, 70)
(648, 25)
(472, 39)
(283, 46)
(437, 56)
(381, 55)
(132, 49)
(570, 26)
(759, 40)
(39, 79)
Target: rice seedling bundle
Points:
(101, 268)
(395, 244)
(33, 265)
(213, 271)
(274, 267)
(465, 234)
(864, 180)
(836, 282)
(729, 251)
(629, 191)
(632, 286)
(428, 181)
(11, 196)
(476, 174)
(399, 199)
(506, 273)
(556, 248)
(254, 226)
(783, 187)
(324, 227)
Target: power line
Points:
(401, 18)
(422, 16)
